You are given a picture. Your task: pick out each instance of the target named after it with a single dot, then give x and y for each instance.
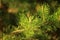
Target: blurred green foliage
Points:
(30, 19)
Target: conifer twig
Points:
(17, 31)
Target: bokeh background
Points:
(29, 20)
